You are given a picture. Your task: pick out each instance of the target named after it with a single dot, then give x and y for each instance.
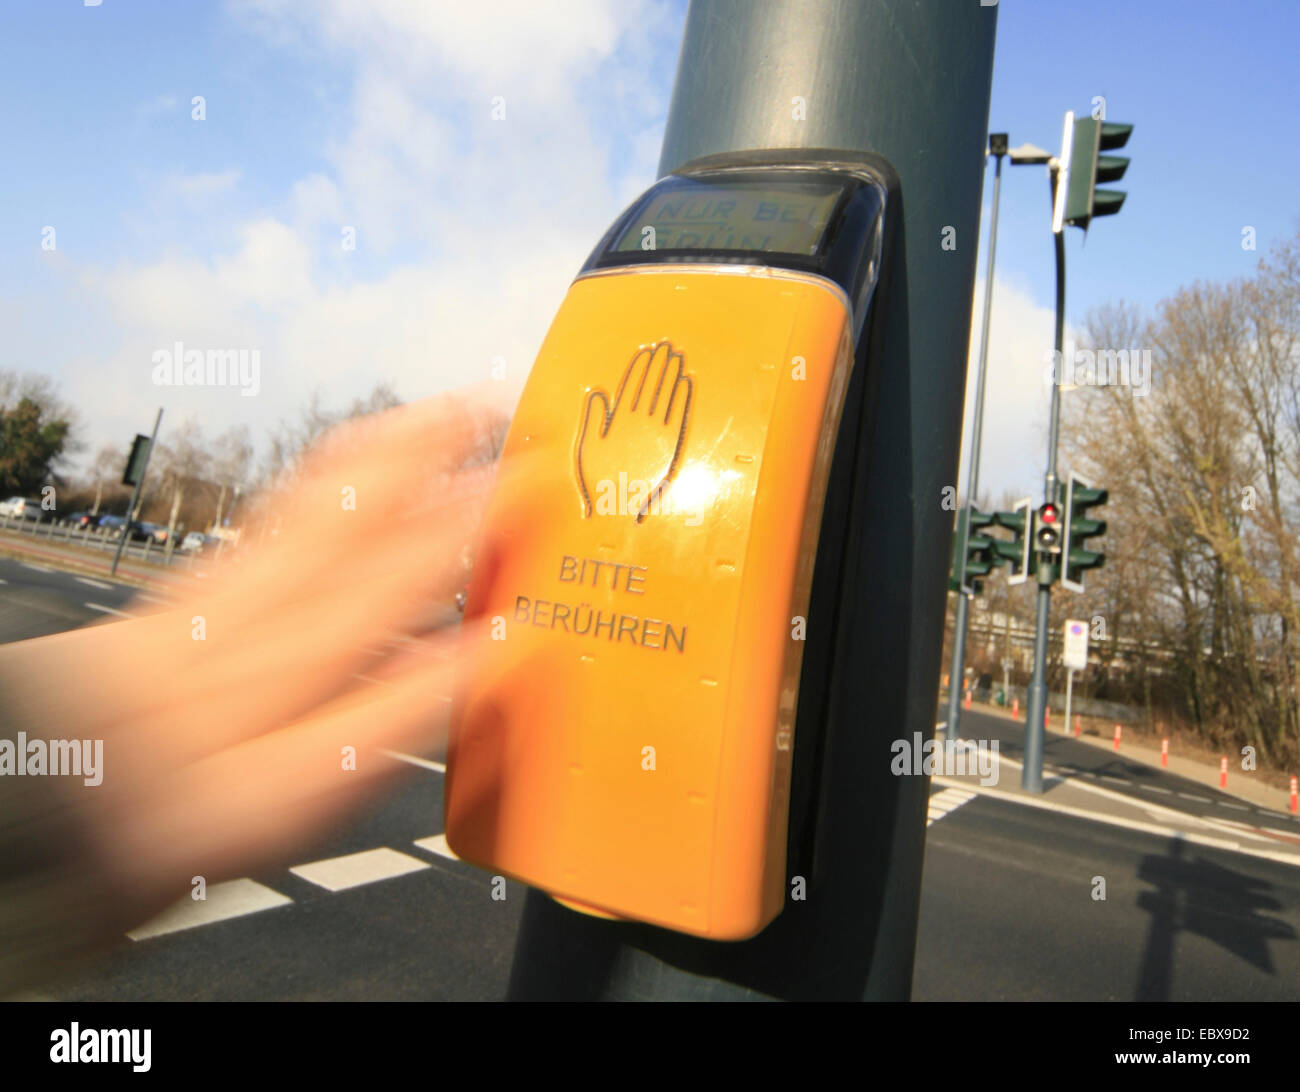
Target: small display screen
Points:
(691, 214)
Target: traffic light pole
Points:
(1031, 776)
(910, 83)
(953, 728)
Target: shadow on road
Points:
(1198, 896)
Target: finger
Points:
(249, 805)
(239, 682)
(363, 474)
(251, 675)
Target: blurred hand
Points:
(242, 722)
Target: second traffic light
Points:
(981, 557)
(1016, 552)
(1078, 200)
(1079, 497)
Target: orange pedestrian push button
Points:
(653, 586)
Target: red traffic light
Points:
(1048, 534)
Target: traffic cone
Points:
(967, 699)
(1015, 707)
(1078, 724)
(1223, 772)
(1164, 752)
(1295, 798)
(1117, 734)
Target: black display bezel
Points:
(847, 252)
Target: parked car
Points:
(79, 521)
(194, 541)
(21, 508)
(157, 532)
(138, 531)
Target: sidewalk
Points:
(1255, 836)
(1245, 785)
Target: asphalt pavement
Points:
(1011, 901)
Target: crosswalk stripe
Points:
(415, 760)
(108, 610)
(233, 899)
(945, 802)
(437, 844)
(356, 869)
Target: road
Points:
(1064, 756)
(36, 600)
(377, 910)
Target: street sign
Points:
(1076, 645)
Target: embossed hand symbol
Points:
(638, 432)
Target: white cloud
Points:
(467, 229)
(158, 105)
(200, 186)
(1017, 402)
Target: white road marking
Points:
(437, 844)
(1117, 780)
(1157, 788)
(107, 610)
(1128, 824)
(92, 583)
(1260, 834)
(356, 869)
(35, 568)
(1154, 810)
(234, 899)
(1201, 799)
(3, 580)
(949, 800)
(1234, 807)
(427, 763)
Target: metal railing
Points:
(148, 552)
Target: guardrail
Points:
(105, 539)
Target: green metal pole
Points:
(909, 82)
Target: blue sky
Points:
(226, 232)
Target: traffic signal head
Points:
(980, 558)
(136, 461)
(1082, 166)
(997, 143)
(1047, 528)
(1079, 497)
(1015, 552)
